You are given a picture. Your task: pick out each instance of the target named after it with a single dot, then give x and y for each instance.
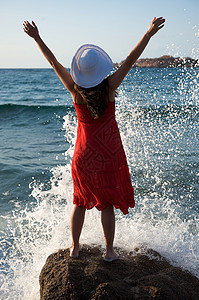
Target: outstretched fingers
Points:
(31, 30)
(156, 25)
(26, 26)
(159, 22)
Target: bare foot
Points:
(74, 251)
(111, 255)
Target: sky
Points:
(114, 25)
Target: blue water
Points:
(158, 116)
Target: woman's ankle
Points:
(110, 252)
(74, 250)
(112, 255)
(74, 246)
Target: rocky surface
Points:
(137, 275)
(165, 61)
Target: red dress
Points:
(99, 166)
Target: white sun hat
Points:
(90, 66)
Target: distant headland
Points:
(165, 61)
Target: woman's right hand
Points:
(155, 26)
(31, 30)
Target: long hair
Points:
(96, 98)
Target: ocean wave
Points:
(141, 111)
(9, 112)
(11, 107)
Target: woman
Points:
(99, 167)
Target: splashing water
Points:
(157, 113)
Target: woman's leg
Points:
(108, 223)
(77, 221)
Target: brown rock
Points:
(165, 61)
(133, 276)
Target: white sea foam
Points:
(45, 227)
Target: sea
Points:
(157, 110)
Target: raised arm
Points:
(63, 74)
(116, 79)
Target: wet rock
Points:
(141, 274)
